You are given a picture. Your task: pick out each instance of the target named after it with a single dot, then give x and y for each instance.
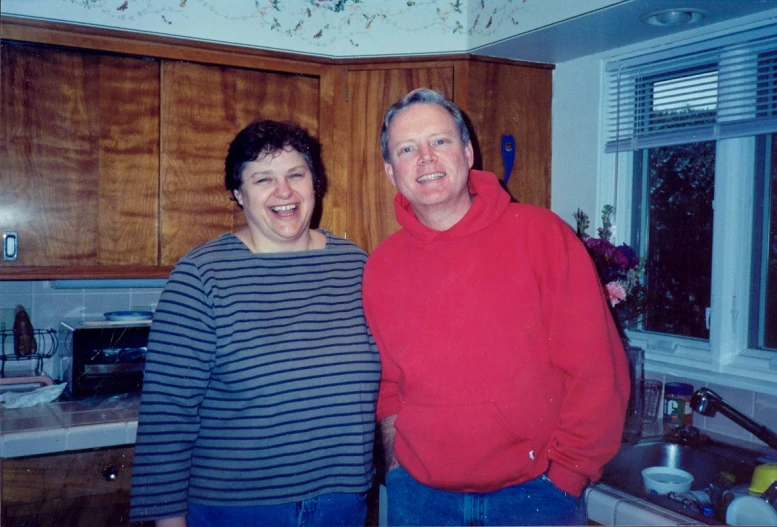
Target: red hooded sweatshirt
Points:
(500, 357)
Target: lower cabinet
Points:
(85, 488)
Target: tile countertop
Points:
(95, 422)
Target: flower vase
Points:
(632, 428)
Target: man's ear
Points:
(390, 173)
(470, 152)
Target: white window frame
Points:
(725, 359)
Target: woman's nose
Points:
(283, 189)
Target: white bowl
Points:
(663, 480)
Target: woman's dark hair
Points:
(264, 137)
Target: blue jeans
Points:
(535, 502)
(336, 509)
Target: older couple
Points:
(500, 395)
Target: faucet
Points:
(706, 402)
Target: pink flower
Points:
(616, 293)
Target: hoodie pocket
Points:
(463, 448)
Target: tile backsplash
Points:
(48, 306)
(759, 406)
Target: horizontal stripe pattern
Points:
(260, 382)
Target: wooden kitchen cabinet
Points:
(504, 97)
(74, 489)
(203, 107)
(370, 194)
(112, 145)
(496, 96)
(79, 157)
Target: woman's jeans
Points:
(336, 509)
(535, 502)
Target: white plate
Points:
(749, 510)
(127, 316)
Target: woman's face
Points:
(278, 199)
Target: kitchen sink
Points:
(715, 466)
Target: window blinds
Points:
(710, 90)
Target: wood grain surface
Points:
(203, 107)
(370, 193)
(76, 130)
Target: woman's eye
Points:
(297, 176)
(263, 180)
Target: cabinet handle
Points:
(110, 473)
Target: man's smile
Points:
(430, 177)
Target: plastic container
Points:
(749, 510)
(763, 476)
(663, 480)
(677, 406)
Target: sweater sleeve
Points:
(178, 363)
(586, 347)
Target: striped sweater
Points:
(260, 381)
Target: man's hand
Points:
(387, 433)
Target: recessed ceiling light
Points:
(674, 17)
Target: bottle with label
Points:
(677, 406)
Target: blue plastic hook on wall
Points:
(508, 155)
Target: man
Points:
(504, 384)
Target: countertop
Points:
(95, 422)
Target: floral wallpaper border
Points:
(335, 28)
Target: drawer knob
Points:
(110, 473)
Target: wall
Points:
(576, 144)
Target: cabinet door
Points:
(78, 157)
(86, 488)
(203, 107)
(513, 99)
(370, 209)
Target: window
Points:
(694, 130)
(673, 187)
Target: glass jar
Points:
(677, 406)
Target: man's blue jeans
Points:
(535, 502)
(336, 509)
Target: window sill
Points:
(693, 361)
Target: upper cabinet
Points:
(508, 98)
(79, 157)
(370, 194)
(203, 107)
(112, 147)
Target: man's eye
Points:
(440, 141)
(405, 150)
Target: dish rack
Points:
(47, 343)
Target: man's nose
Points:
(427, 153)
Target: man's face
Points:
(429, 164)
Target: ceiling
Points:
(613, 27)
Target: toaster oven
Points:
(100, 358)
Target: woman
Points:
(261, 375)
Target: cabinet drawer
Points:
(64, 476)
